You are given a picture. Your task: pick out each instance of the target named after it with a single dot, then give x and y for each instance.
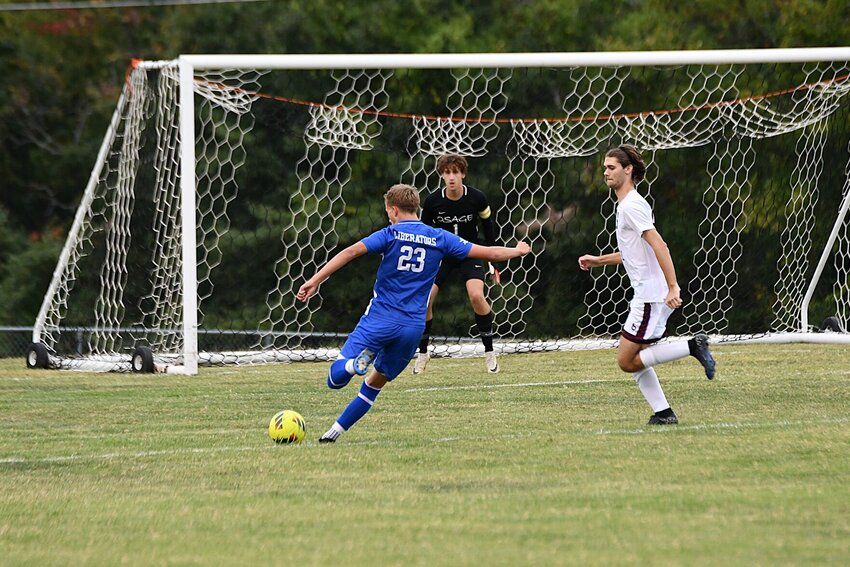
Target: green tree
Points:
(61, 73)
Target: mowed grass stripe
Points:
(807, 424)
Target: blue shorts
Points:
(395, 344)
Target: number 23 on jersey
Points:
(411, 259)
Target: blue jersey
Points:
(412, 254)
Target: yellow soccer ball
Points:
(287, 427)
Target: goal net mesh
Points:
(747, 167)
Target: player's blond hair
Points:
(405, 197)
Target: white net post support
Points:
(55, 299)
(842, 263)
(189, 221)
(838, 234)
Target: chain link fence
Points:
(15, 341)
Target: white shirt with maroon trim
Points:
(634, 217)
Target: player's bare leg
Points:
(484, 321)
(422, 357)
(629, 360)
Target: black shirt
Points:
(461, 217)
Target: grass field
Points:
(546, 463)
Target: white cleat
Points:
(362, 361)
(422, 359)
(491, 362)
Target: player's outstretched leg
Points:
(666, 352)
(698, 347)
(356, 409)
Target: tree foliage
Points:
(61, 72)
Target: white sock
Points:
(349, 366)
(334, 432)
(650, 387)
(665, 352)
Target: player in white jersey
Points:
(653, 277)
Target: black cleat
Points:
(668, 420)
(699, 350)
(329, 436)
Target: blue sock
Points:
(358, 407)
(338, 376)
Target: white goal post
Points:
(176, 243)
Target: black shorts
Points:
(468, 269)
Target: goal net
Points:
(224, 182)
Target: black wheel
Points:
(832, 324)
(142, 360)
(37, 356)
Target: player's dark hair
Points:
(451, 161)
(628, 155)
(405, 197)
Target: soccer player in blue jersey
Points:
(390, 329)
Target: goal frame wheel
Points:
(142, 361)
(37, 356)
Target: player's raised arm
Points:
(341, 259)
(499, 253)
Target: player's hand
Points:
(494, 275)
(523, 248)
(306, 291)
(673, 299)
(588, 261)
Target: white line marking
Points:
(132, 455)
(488, 386)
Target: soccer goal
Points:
(223, 182)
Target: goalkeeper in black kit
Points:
(459, 209)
